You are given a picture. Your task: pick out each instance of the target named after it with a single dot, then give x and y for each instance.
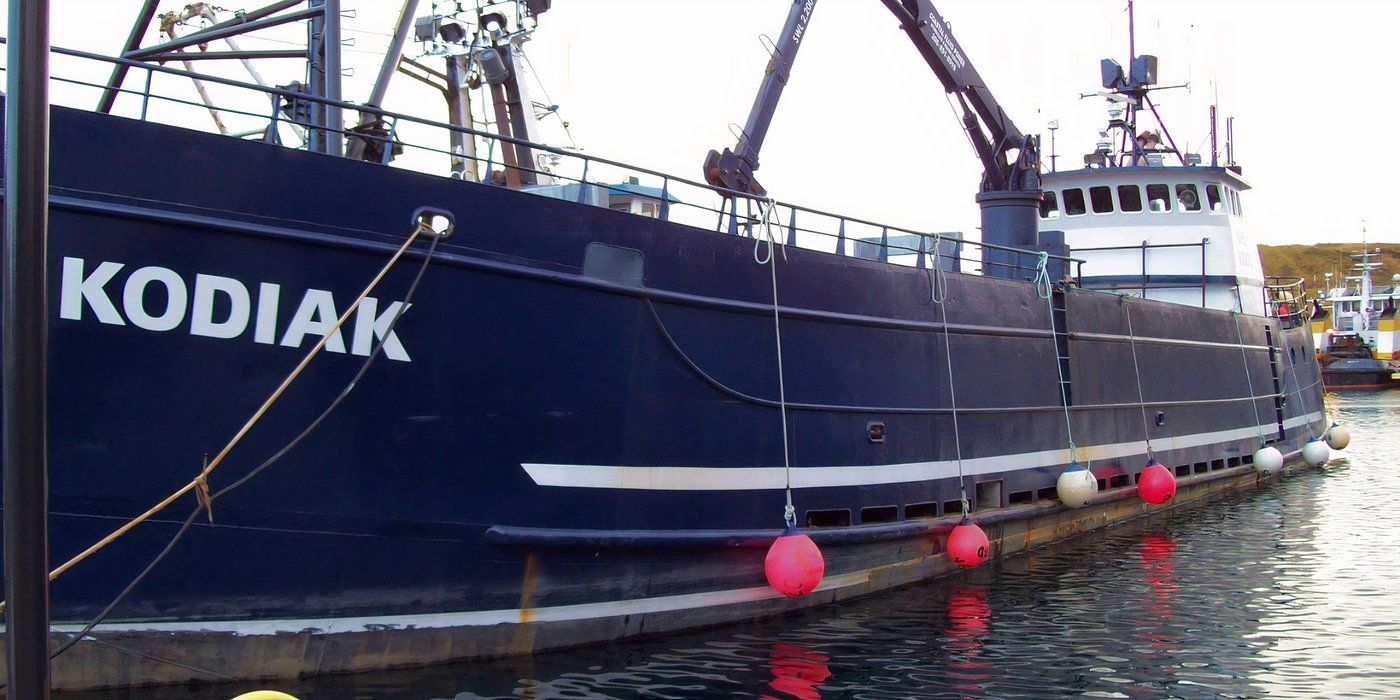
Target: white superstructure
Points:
(1173, 233)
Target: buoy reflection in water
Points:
(797, 671)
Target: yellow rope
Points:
(200, 482)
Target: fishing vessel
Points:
(1354, 328)
(316, 413)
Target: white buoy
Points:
(1338, 437)
(1268, 460)
(1316, 453)
(1076, 486)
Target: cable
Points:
(1045, 290)
(938, 278)
(789, 512)
(1137, 376)
(953, 403)
(1245, 359)
(204, 506)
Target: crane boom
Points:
(1009, 194)
(992, 137)
(734, 169)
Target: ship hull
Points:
(574, 433)
(1347, 375)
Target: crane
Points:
(1009, 193)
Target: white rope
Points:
(1297, 385)
(938, 278)
(952, 397)
(1043, 285)
(1044, 290)
(1253, 403)
(1137, 376)
(789, 512)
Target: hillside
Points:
(1311, 261)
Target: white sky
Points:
(864, 129)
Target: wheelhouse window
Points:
(1101, 198)
(1188, 197)
(1213, 198)
(1159, 198)
(1074, 202)
(1049, 206)
(1129, 198)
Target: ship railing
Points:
(1285, 298)
(1145, 281)
(588, 178)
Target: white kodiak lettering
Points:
(77, 289)
(134, 299)
(315, 315)
(368, 326)
(202, 309)
(269, 295)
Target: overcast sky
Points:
(864, 127)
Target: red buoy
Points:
(1156, 485)
(967, 544)
(794, 565)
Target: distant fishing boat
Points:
(1354, 326)
(325, 414)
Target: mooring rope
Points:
(1044, 288)
(938, 279)
(952, 390)
(199, 483)
(789, 512)
(1137, 376)
(1253, 402)
(205, 503)
(1297, 385)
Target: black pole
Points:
(133, 42)
(25, 336)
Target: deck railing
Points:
(1145, 281)
(1285, 298)
(681, 199)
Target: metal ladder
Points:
(1059, 317)
(1273, 370)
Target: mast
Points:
(25, 339)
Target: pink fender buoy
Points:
(1156, 485)
(794, 566)
(967, 544)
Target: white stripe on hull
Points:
(766, 478)
(581, 611)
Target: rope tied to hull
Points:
(1244, 358)
(199, 485)
(938, 277)
(1044, 289)
(1298, 385)
(939, 300)
(1137, 376)
(767, 243)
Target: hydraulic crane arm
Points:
(992, 137)
(997, 134)
(734, 169)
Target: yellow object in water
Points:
(266, 695)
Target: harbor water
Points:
(1292, 590)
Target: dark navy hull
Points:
(556, 445)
